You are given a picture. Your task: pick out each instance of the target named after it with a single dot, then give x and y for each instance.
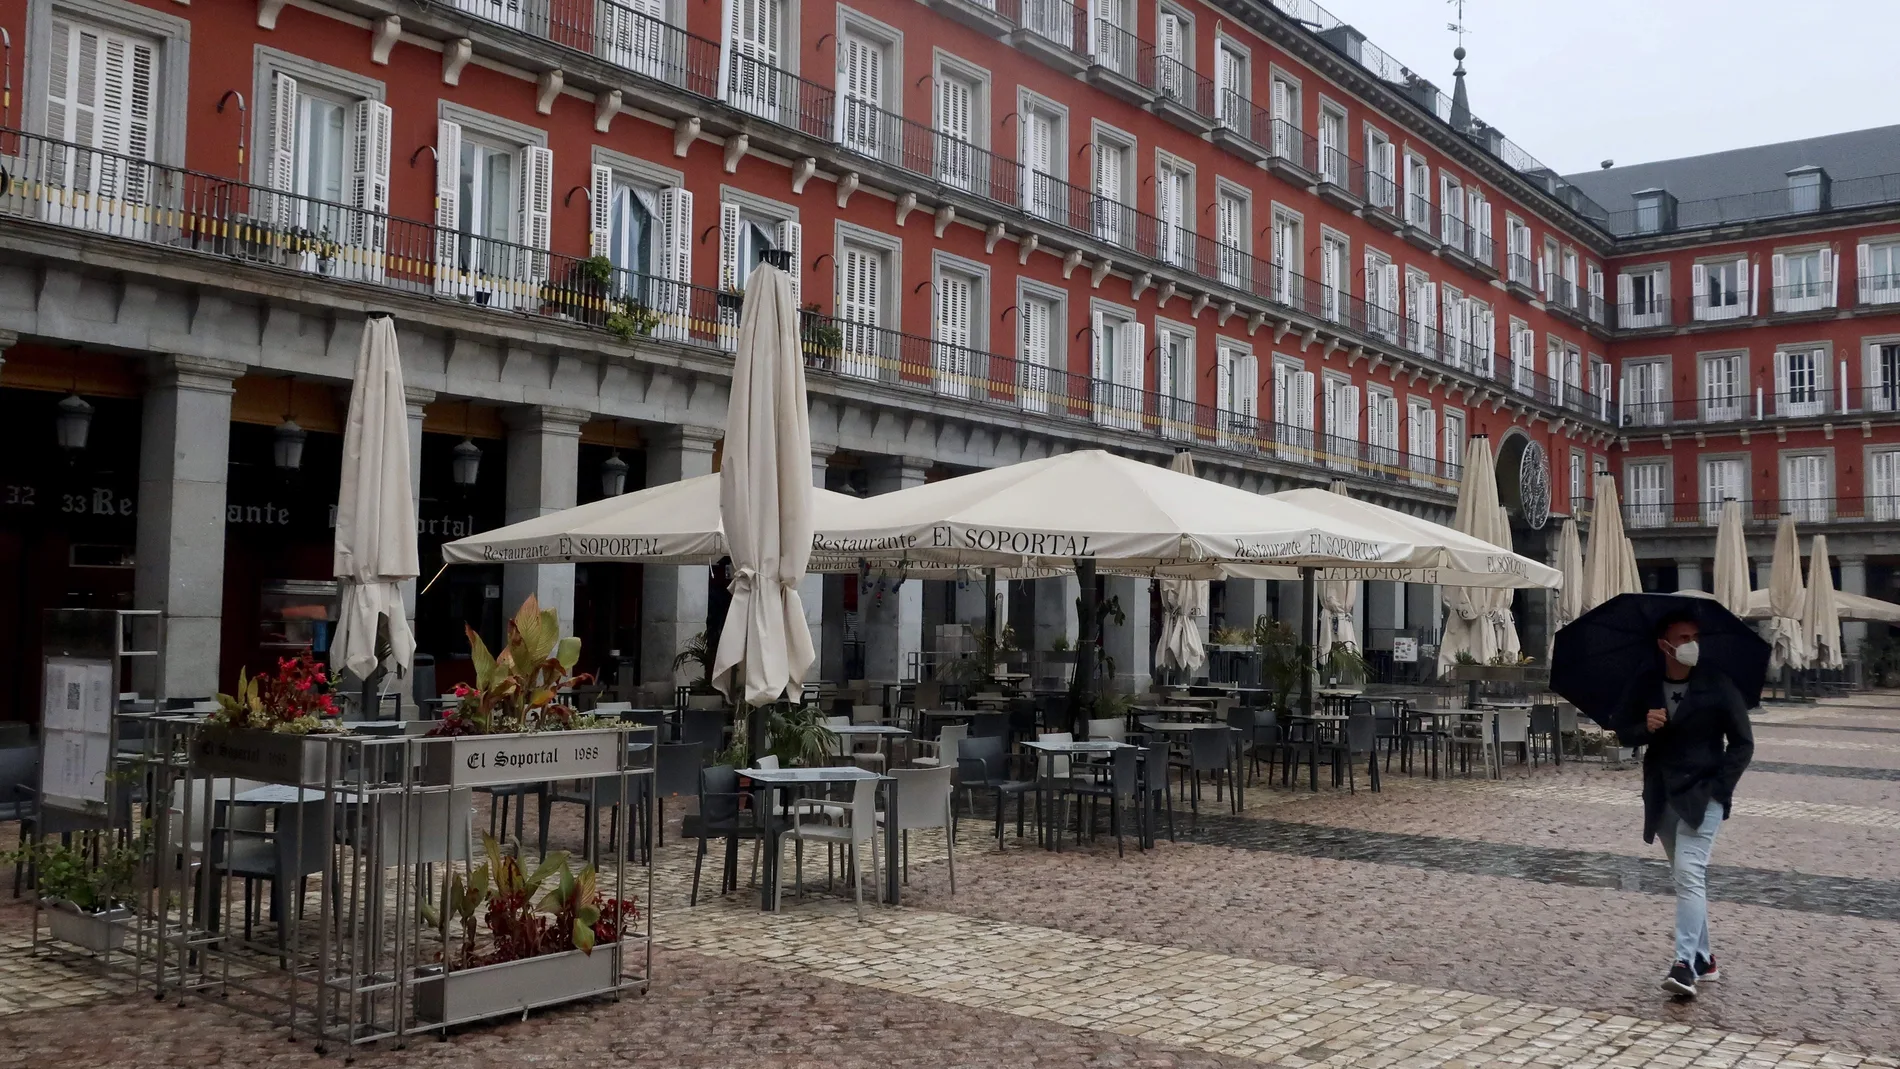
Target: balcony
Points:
(1666, 516)
(1242, 129)
(1718, 307)
(1815, 403)
(1054, 31)
(1342, 180)
(1185, 97)
(984, 16)
(1292, 153)
(1653, 314)
(1802, 299)
(950, 162)
(1123, 64)
(1467, 247)
(1520, 277)
(779, 97)
(1418, 222)
(631, 39)
(1879, 289)
(1566, 300)
(1382, 202)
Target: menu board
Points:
(77, 723)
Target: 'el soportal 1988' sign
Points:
(478, 760)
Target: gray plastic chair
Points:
(983, 766)
(923, 801)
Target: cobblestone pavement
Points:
(1449, 923)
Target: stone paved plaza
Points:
(1453, 923)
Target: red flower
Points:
(463, 690)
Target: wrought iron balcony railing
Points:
(1648, 516)
(1753, 406)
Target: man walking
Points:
(1695, 723)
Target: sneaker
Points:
(1680, 981)
(1706, 970)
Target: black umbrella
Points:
(1601, 652)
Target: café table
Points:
(1050, 749)
(787, 778)
(1487, 728)
(883, 733)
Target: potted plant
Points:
(631, 319)
(539, 947)
(1283, 658)
(798, 737)
(823, 337)
(1231, 639)
(87, 885)
(271, 729)
(730, 299)
(1345, 666)
(697, 651)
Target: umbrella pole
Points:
(989, 616)
(1306, 639)
(1087, 645)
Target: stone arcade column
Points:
(1689, 573)
(811, 592)
(416, 400)
(891, 622)
(184, 461)
(1130, 644)
(1245, 601)
(543, 458)
(1853, 581)
(673, 599)
(1054, 603)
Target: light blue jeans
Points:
(1688, 849)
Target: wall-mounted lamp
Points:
(417, 154)
(243, 123)
(73, 424)
(288, 438)
(613, 475)
(568, 201)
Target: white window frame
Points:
(1716, 409)
(1653, 509)
(868, 353)
(1176, 396)
(1709, 494)
(959, 167)
(1809, 507)
(1415, 182)
(1816, 292)
(1735, 302)
(1880, 392)
(1234, 262)
(1819, 356)
(1645, 391)
(1116, 399)
(171, 34)
(1881, 503)
(1177, 245)
(1039, 201)
(1877, 270)
(1382, 181)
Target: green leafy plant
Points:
(798, 736)
(1464, 657)
(698, 650)
(294, 701)
(1283, 658)
(1112, 705)
(1232, 636)
(597, 271)
(1060, 645)
(1880, 660)
(632, 319)
(819, 333)
(1346, 664)
(522, 687)
(522, 921)
(94, 871)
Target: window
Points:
(1549, 273)
(507, 12)
(1573, 376)
(1117, 354)
(1642, 298)
(1650, 211)
(1342, 422)
(1807, 189)
(1421, 424)
(635, 35)
(751, 59)
(1578, 486)
(862, 122)
(1382, 428)
(750, 227)
(101, 93)
(1335, 283)
(1481, 337)
(1041, 323)
(1334, 162)
(959, 97)
(1646, 393)
(1174, 56)
(1724, 391)
(1381, 171)
(645, 229)
(1804, 486)
(1454, 444)
(1720, 289)
(1174, 381)
(328, 148)
(1455, 315)
(1114, 169)
(1879, 272)
(1723, 478)
(960, 323)
(1237, 393)
(1600, 386)
(1053, 22)
(862, 278)
(1523, 357)
(1287, 253)
(1174, 206)
(1114, 47)
(1421, 314)
(1045, 155)
(1801, 382)
(1293, 409)
(494, 205)
(1233, 88)
(1804, 280)
(1883, 376)
(1418, 192)
(1286, 119)
(1593, 276)
(1382, 295)
(1883, 484)
(1647, 489)
(1231, 231)
(1478, 213)
(1571, 294)
(1520, 241)
(1451, 205)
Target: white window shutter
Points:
(1428, 300)
(1390, 296)
(1699, 286)
(1164, 362)
(790, 238)
(1303, 393)
(1093, 16)
(1097, 351)
(1781, 381)
(1349, 413)
(729, 224)
(1247, 386)
(1135, 367)
(1778, 272)
(1224, 383)
(1863, 264)
(281, 173)
(726, 42)
(676, 260)
(448, 186)
(600, 210)
(1827, 275)
(537, 215)
(1746, 304)
(1625, 291)
(369, 178)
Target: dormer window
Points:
(1807, 189)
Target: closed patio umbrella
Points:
(1340, 600)
(1821, 623)
(1609, 568)
(1570, 563)
(1786, 601)
(375, 514)
(1500, 615)
(1183, 606)
(765, 501)
(1470, 624)
(1731, 560)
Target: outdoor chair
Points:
(1154, 788)
(982, 765)
(1359, 738)
(1546, 733)
(1514, 729)
(1210, 749)
(297, 845)
(1121, 783)
(675, 773)
(705, 728)
(504, 796)
(860, 825)
(724, 813)
(19, 797)
(988, 725)
(923, 801)
(1265, 736)
(941, 753)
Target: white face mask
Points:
(1688, 654)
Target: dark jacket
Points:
(1697, 756)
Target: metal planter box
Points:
(515, 986)
(266, 756)
(481, 760)
(98, 932)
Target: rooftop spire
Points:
(1460, 103)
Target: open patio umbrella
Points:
(1340, 600)
(1183, 606)
(1609, 568)
(1570, 564)
(1846, 606)
(1821, 622)
(1599, 656)
(375, 514)
(1786, 600)
(765, 501)
(1500, 615)
(1470, 612)
(1731, 560)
